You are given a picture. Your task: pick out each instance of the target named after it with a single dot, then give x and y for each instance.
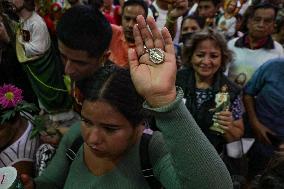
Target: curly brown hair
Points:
(197, 38)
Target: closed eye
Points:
(86, 122)
(110, 128)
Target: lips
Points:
(95, 149)
(204, 66)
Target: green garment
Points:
(181, 156)
(46, 77)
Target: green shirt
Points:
(181, 156)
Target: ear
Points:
(107, 54)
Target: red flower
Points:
(10, 96)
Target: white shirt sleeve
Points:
(39, 41)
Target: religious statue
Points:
(222, 100)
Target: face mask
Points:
(186, 38)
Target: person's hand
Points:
(223, 27)
(177, 9)
(261, 131)
(4, 37)
(233, 129)
(51, 136)
(155, 82)
(27, 181)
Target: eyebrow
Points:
(73, 60)
(83, 118)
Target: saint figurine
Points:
(222, 100)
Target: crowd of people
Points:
(142, 93)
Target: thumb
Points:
(27, 181)
(132, 59)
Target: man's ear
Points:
(107, 54)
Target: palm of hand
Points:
(155, 82)
(151, 81)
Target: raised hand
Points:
(178, 8)
(155, 82)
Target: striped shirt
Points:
(24, 149)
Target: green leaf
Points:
(39, 126)
(7, 115)
(27, 107)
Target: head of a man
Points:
(23, 4)
(130, 10)
(208, 8)
(84, 36)
(261, 20)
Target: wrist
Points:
(254, 123)
(156, 101)
(171, 19)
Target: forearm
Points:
(171, 25)
(194, 159)
(250, 109)
(56, 172)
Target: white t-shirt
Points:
(247, 61)
(39, 41)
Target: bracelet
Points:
(169, 20)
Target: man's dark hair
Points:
(264, 5)
(215, 2)
(200, 20)
(85, 28)
(114, 86)
(142, 3)
(29, 5)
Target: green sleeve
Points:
(56, 173)
(192, 162)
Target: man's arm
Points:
(175, 10)
(259, 129)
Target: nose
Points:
(206, 60)
(131, 24)
(261, 23)
(95, 136)
(69, 69)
